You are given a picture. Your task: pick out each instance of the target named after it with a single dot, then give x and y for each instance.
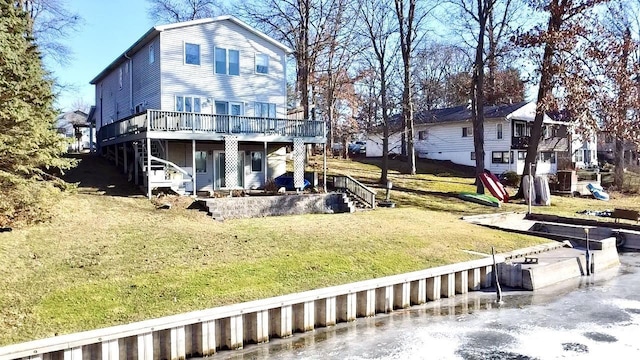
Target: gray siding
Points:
(179, 78)
(112, 101)
(146, 76)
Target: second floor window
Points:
(499, 131)
(262, 63)
(188, 104)
(422, 135)
(467, 131)
(266, 110)
(192, 54)
(152, 54)
(224, 57)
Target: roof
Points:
(463, 113)
(154, 31)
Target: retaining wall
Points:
(231, 327)
(261, 206)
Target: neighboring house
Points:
(447, 134)
(607, 149)
(76, 128)
(206, 97)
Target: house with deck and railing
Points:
(200, 106)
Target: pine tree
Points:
(29, 144)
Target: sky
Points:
(109, 28)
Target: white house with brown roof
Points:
(447, 134)
(200, 106)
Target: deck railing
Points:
(356, 188)
(175, 121)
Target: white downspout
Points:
(131, 109)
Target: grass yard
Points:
(108, 256)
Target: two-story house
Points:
(447, 134)
(201, 106)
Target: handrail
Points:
(176, 121)
(167, 162)
(356, 188)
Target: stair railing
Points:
(355, 188)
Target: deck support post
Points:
(265, 164)
(136, 160)
(125, 166)
(148, 145)
(193, 166)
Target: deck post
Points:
(124, 156)
(265, 165)
(148, 144)
(193, 166)
(136, 160)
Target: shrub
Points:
(510, 178)
(270, 186)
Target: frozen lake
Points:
(589, 318)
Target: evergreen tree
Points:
(29, 144)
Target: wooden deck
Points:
(157, 124)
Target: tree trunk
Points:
(544, 91)
(477, 98)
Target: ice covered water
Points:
(588, 318)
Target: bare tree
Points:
(171, 11)
(378, 29)
(51, 22)
(304, 26)
(559, 41)
(407, 31)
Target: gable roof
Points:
(154, 31)
(463, 113)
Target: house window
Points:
(265, 110)
(422, 135)
(467, 131)
(499, 131)
(229, 108)
(262, 63)
(234, 62)
(120, 79)
(578, 156)
(220, 60)
(500, 157)
(522, 155)
(152, 54)
(189, 104)
(548, 156)
(201, 161)
(473, 155)
(256, 161)
(192, 54)
(221, 57)
(521, 129)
